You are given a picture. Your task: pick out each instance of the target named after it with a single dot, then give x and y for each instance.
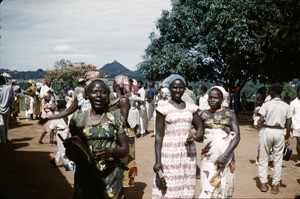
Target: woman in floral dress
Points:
(103, 133)
(175, 152)
(221, 137)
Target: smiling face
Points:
(215, 99)
(98, 94)
(177, 88)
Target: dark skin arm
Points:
(71, 109)
(288, 125)
(198, 125)
(222, 160)
(159, 136)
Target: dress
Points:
(295, 106)
(178, 160)
(216, 139)
(91, 180)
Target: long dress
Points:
(100, 177)
(178, 160)
(216, 140)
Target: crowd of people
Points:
(96, 124)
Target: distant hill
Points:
(115, 68)
(25, 75)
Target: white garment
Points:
(295, 106)
(142, 111)
(203, 102)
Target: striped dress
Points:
(178, 160)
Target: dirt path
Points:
(25, 171)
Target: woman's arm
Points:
(199, 126)
(235, 141)
(159, 136)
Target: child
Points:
(62, 129)
(49, 109)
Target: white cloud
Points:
(62, 48)
(36, 34)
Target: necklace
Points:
(96, 122)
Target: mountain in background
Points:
(115, 68)
(110, 70)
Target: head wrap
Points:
(39, 85)
(88, 83)
(91, 75)
(134, 82)
(225, 95)
(48, 80)
(70, 92)
(167, 82)
(81, 80)
(122, 80)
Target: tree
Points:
(68, 75)
(228, 42)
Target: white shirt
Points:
(203, 102)
(295, 106)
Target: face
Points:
(177, 89)
(98, 94)
(215, 99)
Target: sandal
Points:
(275, 189)
(264, 187)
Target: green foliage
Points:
(67, 76)
(226, 42)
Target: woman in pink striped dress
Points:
(175, 151)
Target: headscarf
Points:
(91, 75)
(122, 80)
(225, 95)
(88, 83)
(167, 82)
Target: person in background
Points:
(295, 106)
(275, 116)
(49, 109)
(29, 99)
(6, 94)
(37, 101)
(221, 137)
(141, 97)
(244, 101)
(149, 99)
(102, 132)
(121, 103)
(60, 126)
(175, 150)
(189, 91)
(203, 99)
(15, 105)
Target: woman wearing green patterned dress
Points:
(103, 133)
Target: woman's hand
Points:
(190, 139)
(157, 167)
(102, 153)
(221, 162)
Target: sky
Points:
(36, 34)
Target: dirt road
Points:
(25, 171)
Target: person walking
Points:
(5, 100)
(221, 137)
(175, 151)
(102, 132)
(275, 116)
(295, 106)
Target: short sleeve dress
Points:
(178, 160)
(101, 177)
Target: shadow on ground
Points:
(28, 174)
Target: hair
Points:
(204, 88)
(61, 104)
(276, 88)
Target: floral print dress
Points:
(101, 133)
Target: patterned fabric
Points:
(216, 140)
(178, 161)
(103, 133)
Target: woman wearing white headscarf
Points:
(221, 137)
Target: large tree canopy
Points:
(227, 42)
